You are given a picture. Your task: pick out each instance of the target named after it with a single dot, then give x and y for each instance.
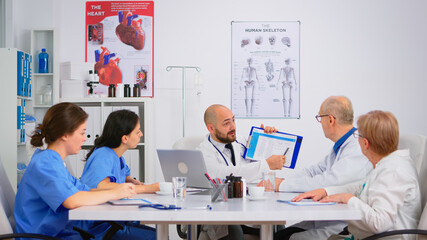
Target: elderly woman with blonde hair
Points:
(389, 198)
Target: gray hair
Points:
(341, 108)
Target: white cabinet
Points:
(141, 160)
(44, 38)
(12, 145)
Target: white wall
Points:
(373, 52)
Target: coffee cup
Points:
(165, 187)
(255, 191)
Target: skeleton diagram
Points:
(249, 76)
(289, 86)
(269, 69)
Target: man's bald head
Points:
(340, 107)
(210, 116)
(220, 123)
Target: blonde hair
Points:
(382, 131)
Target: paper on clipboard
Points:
(129, 201)
(307, 202)
(261, 146)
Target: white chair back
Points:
(423, 223)
(422, 176)
(417, 147)
(7, 203)
(188, 143)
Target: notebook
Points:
(184, 163)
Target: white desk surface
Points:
(235, 211)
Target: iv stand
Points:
(169, 68)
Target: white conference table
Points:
(238, 211)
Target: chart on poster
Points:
(265, 69)
(119, 42)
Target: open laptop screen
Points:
(184, 163)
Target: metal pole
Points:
(183, 101)
(183, 68)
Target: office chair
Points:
(7, 218)
(421, 231)
(7, 203)
(187, 143)
(417, 145)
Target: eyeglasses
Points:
(319, 117)
(356, 134)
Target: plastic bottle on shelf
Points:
(119, 90)
(47, 95)
(43, 61)
(91, 76)
(96, 77)
(136, 92)
(112, 90)
(127, 90)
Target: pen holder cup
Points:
(219, 193)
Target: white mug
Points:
(165, 187)
(255, 191)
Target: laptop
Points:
(184, 163)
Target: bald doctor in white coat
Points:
(220, 123)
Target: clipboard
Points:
(307, 202)
(262, 145)
(129, 201)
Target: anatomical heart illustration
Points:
(95, 33)
(129, 30)
(119, 43)
(107, 68)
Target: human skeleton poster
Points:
(265, 69)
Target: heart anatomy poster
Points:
(265, 69)
(119, 42)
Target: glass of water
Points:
(179, 187)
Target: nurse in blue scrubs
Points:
(105, 166)
(47, 190)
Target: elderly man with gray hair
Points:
(344, 164)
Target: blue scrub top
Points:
(46, 184)
(103, 163)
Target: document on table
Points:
(307, 202)
(262, 145)
(129, 201)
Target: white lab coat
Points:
(347, 166)
(217, 167)
(390, 200)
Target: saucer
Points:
(163, 193)
(256, 198)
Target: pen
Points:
(136, 199)
(287, 149)
(208, 207)
(210, 179)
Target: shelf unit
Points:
(146, 115)
(11, 149)
(44, 38)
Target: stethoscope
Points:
(159, 206)
(222, 155)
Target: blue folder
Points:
(295, 140)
